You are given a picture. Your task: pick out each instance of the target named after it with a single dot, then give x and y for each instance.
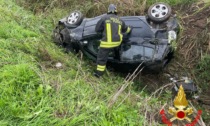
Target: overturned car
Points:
(149, 43)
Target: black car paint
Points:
(145, 43)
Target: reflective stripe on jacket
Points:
(112, 27)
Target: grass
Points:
(203, 71)
(35, 92)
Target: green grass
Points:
(35, 92)
(203, 73)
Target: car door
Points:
(137, 47)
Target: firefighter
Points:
(111, 27)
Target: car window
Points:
(136, 53)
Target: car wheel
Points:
(159, 12)
(75, 18)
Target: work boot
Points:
(98, 74)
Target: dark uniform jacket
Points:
(112, 27)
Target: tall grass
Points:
(92, 8)
(35, 92)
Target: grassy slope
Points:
(34, 92)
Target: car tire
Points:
(75, 18)
(159, 12)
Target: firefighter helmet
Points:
(112, 9)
